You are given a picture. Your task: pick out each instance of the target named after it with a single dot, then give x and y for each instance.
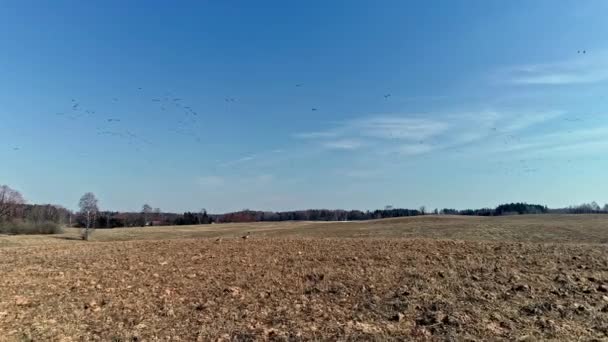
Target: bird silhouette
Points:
(314, 109)
(299, 85)
(246, 236)
(386, 96)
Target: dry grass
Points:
(280, 286)
(524, 228)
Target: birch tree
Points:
(88, 208)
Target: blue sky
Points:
(277, 105)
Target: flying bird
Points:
(386, 96)
(314, 109)
(245, 237)
(299, 85)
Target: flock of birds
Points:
(186, 125)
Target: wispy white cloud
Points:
(319, 134)
(414, 149)
(250, 157)
(395, 127)
(589, 67)
(529, 118)
(238, 160)
(412, 135)
(582, 139)
(343, 144)
(244, 159)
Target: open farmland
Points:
(524, 228)
(427, 278)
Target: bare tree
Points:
(10, 201)
(88, 207)
(146, 210)
(422, 210)
(202, 213)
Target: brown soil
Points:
(303, 289)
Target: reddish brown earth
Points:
(303, 289)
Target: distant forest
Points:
(13, 208)
(111, 219)
(202, 217)
(106, 219)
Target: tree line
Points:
(14, 211)
(17, 217)
(388, 212)
(313, 215)
(115, 219)
(503, 209)
(585, 208)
